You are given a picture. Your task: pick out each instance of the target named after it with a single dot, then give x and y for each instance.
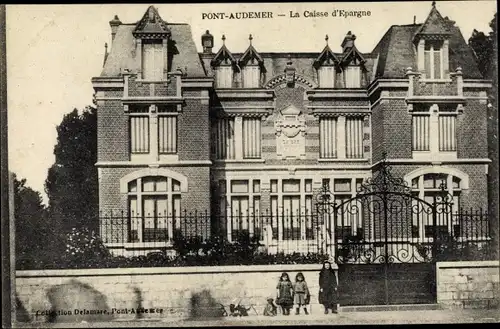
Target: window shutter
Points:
(139, 134)
(251, 76)
(353, 77)
(327, 77)
(251, 138)
(225, 139)
(224, 77)
(421, 133)
(354, 137)
(152, 61)
(447, 135)
(167, 134)
(328, 138)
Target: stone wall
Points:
(468, 284)
(167, 291)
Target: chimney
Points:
(348, 42)
(207, 41)
(114, 26)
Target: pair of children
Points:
(289, 294)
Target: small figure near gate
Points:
(328, 285)
(301, 293)
(284, 294)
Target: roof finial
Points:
(250, 38)
(434, 4)
(223, 39)
(326, 39)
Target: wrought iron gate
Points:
(385, 240)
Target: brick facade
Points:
(384, 102)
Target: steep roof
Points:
(396, 52)
(123, 51)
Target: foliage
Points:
(71, 184)
(35, 239)
(84, 247)
(451, 249)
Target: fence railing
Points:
(201, 239)
(287, 232)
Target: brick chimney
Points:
(207, 41)
(348, 42)
(115, 23)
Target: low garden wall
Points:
(132, 293)
(470, 284)
(149, 292)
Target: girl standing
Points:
(301, 293)
(285, 292)
(328, 284)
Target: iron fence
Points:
(128, 234)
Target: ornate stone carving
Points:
(290, 127)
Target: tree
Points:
(34, 232)
(72, 183)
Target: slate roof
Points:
(396, 52)
(389, 59)
(122, 54)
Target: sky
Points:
(53, 51)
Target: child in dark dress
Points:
(328, 284)
(285, 293)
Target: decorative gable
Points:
(151, 26)
(223, 56)
(435, 27)
(326, 57)
(353, 57)
(251, 56)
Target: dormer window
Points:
(151, 39)
(223, 64)
(433, 59)
(352, 77)
(152, 60)
(251, 76)
(252, 65)
(432, 44)
(326, 76)
(224, 76)
(325, 65)
(352, 62)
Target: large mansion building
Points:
(223, 134)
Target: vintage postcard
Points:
(250, 164)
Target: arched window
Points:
(429, 187)
(154, 208)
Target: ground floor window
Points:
(348, 216)
(429, 187)
(154, 204)
(239, 207)
(291, 209)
